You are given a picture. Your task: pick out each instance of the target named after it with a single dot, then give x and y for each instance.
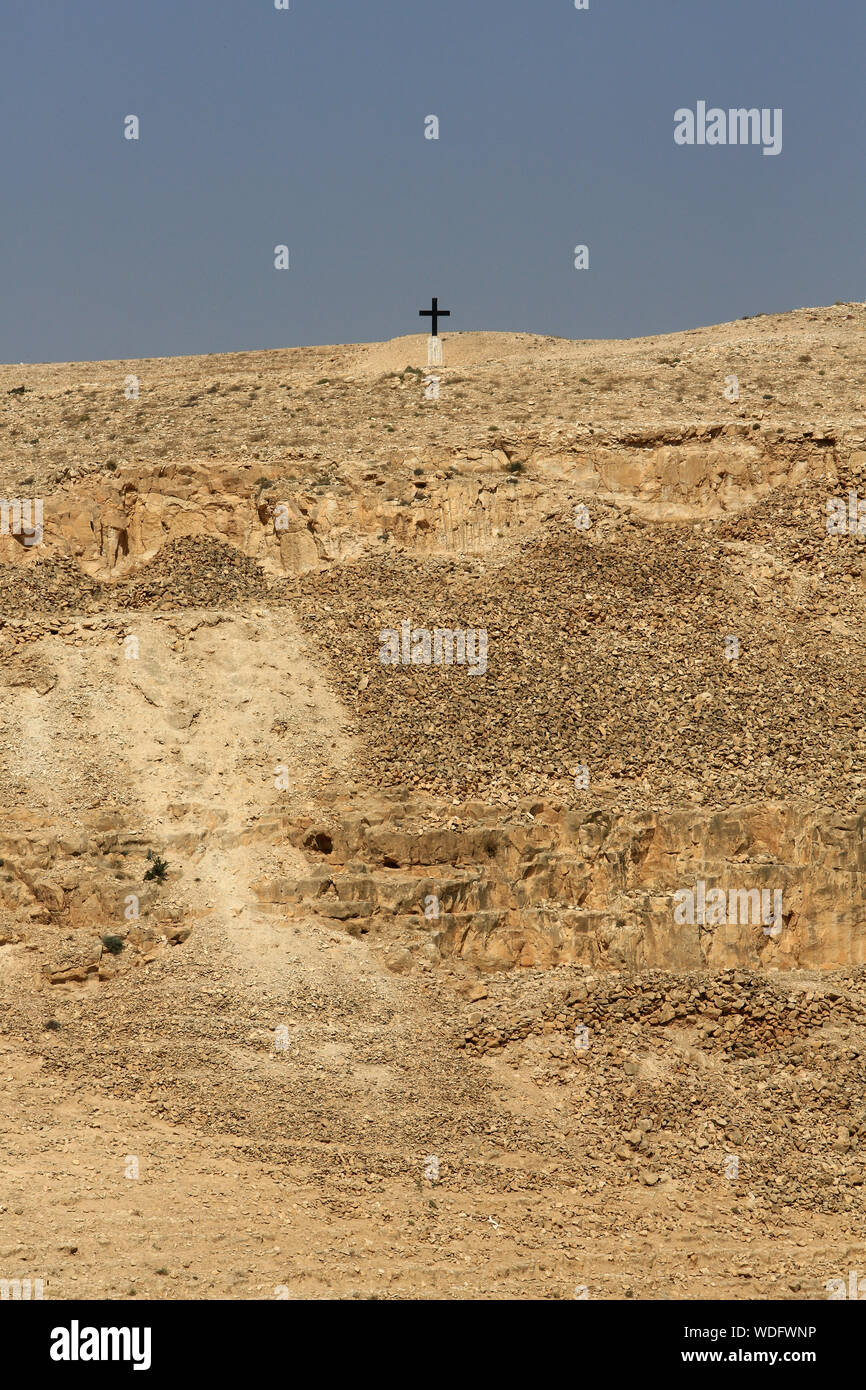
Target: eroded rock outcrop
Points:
(552, 886)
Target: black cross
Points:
(435, 314)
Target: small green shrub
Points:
(113, 944)
(158, 868)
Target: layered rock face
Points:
(598, 889)
(466, 504)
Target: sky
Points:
(305, 127)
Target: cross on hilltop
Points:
(435, 314)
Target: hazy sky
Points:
(305, 127)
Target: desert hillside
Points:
(375, 966)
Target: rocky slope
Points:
(417, 912)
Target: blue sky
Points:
(305, 127)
